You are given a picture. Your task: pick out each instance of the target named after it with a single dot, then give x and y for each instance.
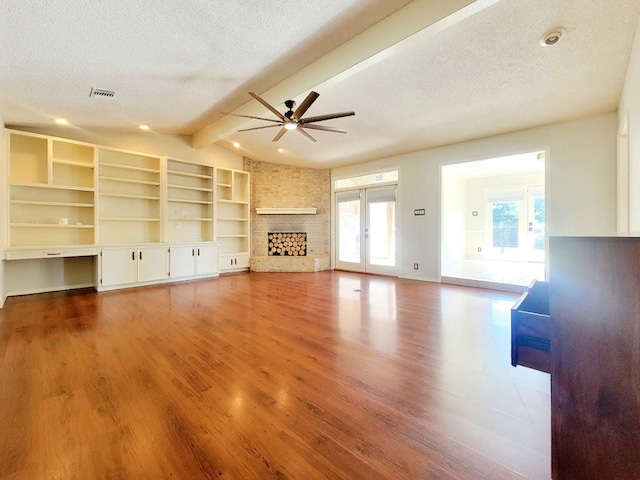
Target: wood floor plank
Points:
(269, 375)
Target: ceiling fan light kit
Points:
(292, 119)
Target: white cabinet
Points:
(130, 265)
(207, 260)
(193, 260)
(234, 262)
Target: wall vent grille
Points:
(99, 92)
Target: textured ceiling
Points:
(177, 65)
(174, 65)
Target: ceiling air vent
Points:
(99, 92)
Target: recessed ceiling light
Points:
(143, 127)
(281, 150)
(552, 37)
(62, 121)
(236, 144)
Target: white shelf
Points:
(72, 163)
(184, 187)
(186, 174)
(226, 185)
(47, 225)
(51, 204)
(184, 200)
(129, 167)
(50, 185)
(126, 195)
(229, 219)
(232, 201)
(129, 180)
(233, 236)
(128, 219)
(190, 219)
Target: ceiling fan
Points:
(292, 120)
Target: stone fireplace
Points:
(294, 200)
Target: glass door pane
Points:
(349, 236)
(380, 230)
(536, 224)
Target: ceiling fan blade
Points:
(271, 109)
(304, 106)
(255, 118)
(258, 128)
(324, 128)
(306, 135)
(279, 135)
(329, 116)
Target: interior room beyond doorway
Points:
(493, 221)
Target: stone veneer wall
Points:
(274, 185)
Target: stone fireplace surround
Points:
(293, 199)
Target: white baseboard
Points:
(47, 289)
(422, 279)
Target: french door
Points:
(366, 233)
(516, 228)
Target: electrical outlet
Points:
(178, 225)
(479, 249)
(415, 266)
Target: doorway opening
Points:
(493, 221)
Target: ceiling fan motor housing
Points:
(289, 104)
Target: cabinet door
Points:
(119, 266)
(207, 259)
(242, 260)
(234, 261)
(152, 263)
(182, 261)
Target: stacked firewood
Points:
(288, 243)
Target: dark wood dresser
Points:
(594, 302)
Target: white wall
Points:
(580, 182)
(175, 146)
(453, 225)
(4, 200)
(629, 142)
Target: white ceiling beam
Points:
(419, 19)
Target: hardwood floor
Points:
(269, 375)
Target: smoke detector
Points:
(552, 37)
(99, 92)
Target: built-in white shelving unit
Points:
(129, 197)
(51, 191)
(232, 218)
(81, 215)
(189, 202)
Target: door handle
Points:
(133, 256)
(198, 252)
(140, 255)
